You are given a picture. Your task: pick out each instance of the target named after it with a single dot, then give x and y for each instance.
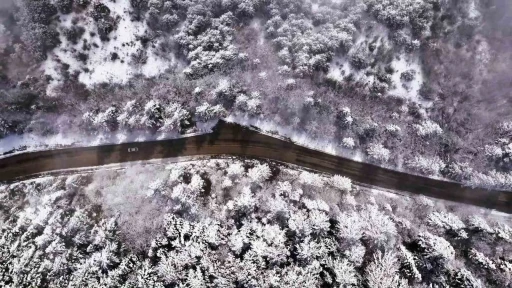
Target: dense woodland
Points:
(240, 223)
(418, 85)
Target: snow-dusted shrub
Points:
(340, 182)
(251, 104)
(316, 204)
(427, 128)
(348, 143)
(208, 50)
(196, 184)
(377, 152)
(226, 183)
(493, 151)
(392, 129)
(319, 221)
(369, 223)
(399, 15)
(278, 207)
(425, 165)
(290, 84)
(359, 57)
(313, 179)
(284, 187)
(408, 76)
(175, 118)
(296, 276)
(461, 172)
(349, 199)
(175, 174)
(299, 222)
(235, 169)
(424, 201)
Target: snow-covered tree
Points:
(355, 254)
(245, 201)
(299, 223)
(481, 260)
(153, 115)
(345, 273)
(175, 118)
(383, 271)
(447, 222)
(349, 226)
(259, 173)
(435, 247)
(408, 265)
(463, 278)
(107, 120)
(377, 226)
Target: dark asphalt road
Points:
(230, 139)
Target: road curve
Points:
(235, 140)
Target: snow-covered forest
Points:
(417, 85)
(240, 223)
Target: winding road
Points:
(236, 140)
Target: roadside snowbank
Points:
(16, 144)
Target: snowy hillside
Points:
(233, 223)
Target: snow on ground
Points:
(339, 69)
(124, 41)
(411, 89)
(472, 11)
(257, 25)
